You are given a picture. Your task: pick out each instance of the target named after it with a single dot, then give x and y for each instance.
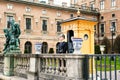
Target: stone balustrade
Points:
(61, 67)
(1, 62)
(46, 66)
(21, 65)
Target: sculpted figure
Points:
(12, 37)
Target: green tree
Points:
(106, 42)
(97, 49)
(117, 44)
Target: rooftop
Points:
(80, 18)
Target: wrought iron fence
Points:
(104, 67)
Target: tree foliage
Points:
(97, 49)
(106, 42)
(117, 44)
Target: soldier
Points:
(61, 45)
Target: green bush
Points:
(97, 49)
(106, 42)
(117, 44)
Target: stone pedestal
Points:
(33, 70)
(9, 62)
(9, 65)
(75, 68)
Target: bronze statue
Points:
(12, 37)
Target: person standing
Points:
(61, 45)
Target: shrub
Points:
(117, 44)
(97, 49)
(106, 42)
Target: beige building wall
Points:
(37, 11)
(36, 34)
(106, 14)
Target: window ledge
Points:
(28, 30)
(44, 32)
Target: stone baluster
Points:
(57, 66)
(61, 67)
(47, 65)
(43, 62)
(53, 65)
(28, 65)
(50, 66)
(64, 67)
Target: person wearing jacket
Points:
(61, 45)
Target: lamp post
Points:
(112, 31)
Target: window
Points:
(28, 9)
(44, 48)
(58, 26)
(102, 4)
(113, 15)
(71, 15)
(113, 3)
(44, 12)
(83, 6)
(44, 25)
(113, 24)
(75, 1)
(9, 19)
(28, 23)
(9, 6)
(102, 17)
(28, 47)
(102, 29)
(58, 14)
(92, 5)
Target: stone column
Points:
(75, 67)
(33, 70)
(9, 62)
(9, 65)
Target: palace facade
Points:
(39, 22)
(109, 16)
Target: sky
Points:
(59, 2)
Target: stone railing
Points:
(1, 62)
(61, 67)
(21, 65)
(45, 66)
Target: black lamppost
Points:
(112, 33)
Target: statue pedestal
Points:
(9, 62)
(9, 65)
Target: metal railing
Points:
(94, 67)
(104, 67)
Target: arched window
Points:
(44, 47)
(28, 47)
